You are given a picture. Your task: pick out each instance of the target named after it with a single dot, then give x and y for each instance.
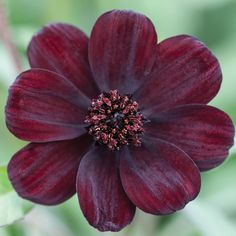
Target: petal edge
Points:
(204, 132)
(45, 173)
(186, 72)
(100, 192)
(121, 50)
(158, 177)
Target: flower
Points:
(117, 118)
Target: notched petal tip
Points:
(111, 226)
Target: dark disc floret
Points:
(115, 120)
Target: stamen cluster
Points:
(115, 120)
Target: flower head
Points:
(119, 119)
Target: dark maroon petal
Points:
(64, 49)
(43, 106)
(158, 177)
(203, 132)
(45, 173)
(186, 72)
(122, 50)
(101, 196)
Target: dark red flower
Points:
(117, 118)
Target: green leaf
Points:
(12, 207)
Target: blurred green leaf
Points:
(217, 186)
(233, 150)
(210, 220)
(5, 185)
(223, 17)
(12, 207)
(206, 3)
(178, 222)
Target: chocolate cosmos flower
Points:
(117, 118)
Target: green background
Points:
(213, 213)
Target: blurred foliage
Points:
(212, 28)
(213, 213)
(12, 207)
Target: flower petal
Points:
(43, 106)
(101, 196)
(186, 72)
(158, 177)
(203, 132)
(63, 48)
(122, 50)
(45, 173)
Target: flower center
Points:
(115, 120)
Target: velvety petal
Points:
(203, 132)
(64, 49)
(43, 106)
(45, 173)
(122, 50)
(186, 72)
(158, 177)
(101, 196)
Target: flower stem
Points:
(6, 37)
